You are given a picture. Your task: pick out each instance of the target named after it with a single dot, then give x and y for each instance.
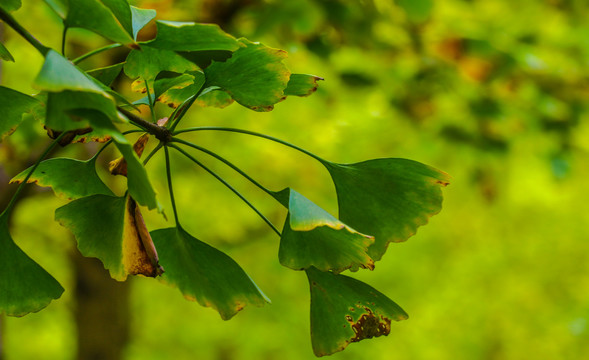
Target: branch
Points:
(7, 18)
(161, 133)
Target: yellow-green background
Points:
(501, 273)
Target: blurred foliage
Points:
(491, 91)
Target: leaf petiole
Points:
(226, 162)
(94, 52)
(227, 185)
(253, 133)
(170, 189)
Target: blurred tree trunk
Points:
(101, 311)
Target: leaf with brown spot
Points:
(346, 310)
(119, 166)
(108, 228)
(13, 104)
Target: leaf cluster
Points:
(379, 201)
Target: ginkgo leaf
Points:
(25, 286)
(191, 37)
(254, 76)
(175, 96)
(140, 18)
(138, 182)
(346, 310)
(313, 237)
(108, 228)
(111, 19)
(5, 54)
(106, 75)
(205, 274)
(13, 104)
(10, 5)
(302, 84)
(119, 166)
(216, 98)
(59, 74)
(167, 80)
(387, 198)
(67, 177)
(60, 115)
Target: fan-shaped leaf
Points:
(148, 62)
(387, 198)
(25, 286)
(313, 237)
(110, 18)
(69, 178)
(176, 95)
(346, 310)
(188, 36)
(205, 274)
(58, 74)
(254, 76)
(138, 182)
(110, 228)
(302, 84)
(13, 104)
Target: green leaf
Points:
(138, 182)
(313, 237)
(205, 274)
(254, 76)
(60, 108)
(216, 98)
(10, 5)
(25, 286)
(346, 310)
(302, 85)
(67, 177)
(102, 128)
(148, 62)
(107, 228)
(140, 18)
(167, 80)
(106, 75)
(387, 198)
(111, 19)
(175, 96)
(13, 104)
(58, 74)
(417, 10)
(190, 37)
(5, 54)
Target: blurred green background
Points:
(493, 92)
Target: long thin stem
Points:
(226, 162)
(94, 52)
(63, 38)
(160, 132)
(185, 108)
(228, 186)
(150, 101)
(8, 19)
(21, 186)
(170, 189)
(264, 136)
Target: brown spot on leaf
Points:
(139, 254)
(119, 166)
(369, 325)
